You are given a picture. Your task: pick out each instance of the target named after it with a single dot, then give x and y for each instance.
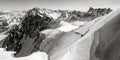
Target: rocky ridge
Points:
(25, 30)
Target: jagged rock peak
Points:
(28, 30)
(100, 10)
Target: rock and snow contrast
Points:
(45, 34)
(5, 55)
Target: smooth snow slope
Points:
(102, 42)
(66, 27)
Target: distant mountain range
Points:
(13, 17)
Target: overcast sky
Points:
(57, 4)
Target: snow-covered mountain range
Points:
(45, 30)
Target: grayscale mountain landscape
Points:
(59, 30)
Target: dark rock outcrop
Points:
(91, 14)
(26, 37)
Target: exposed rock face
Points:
(91, 14)
(25, 38)
(9, 19)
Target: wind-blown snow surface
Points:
(66, 27)
(55, 15)
(78, 23)
(5, 55)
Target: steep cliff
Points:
(26, 37)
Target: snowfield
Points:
(78, 23)
(5, 55)
(66, 27)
